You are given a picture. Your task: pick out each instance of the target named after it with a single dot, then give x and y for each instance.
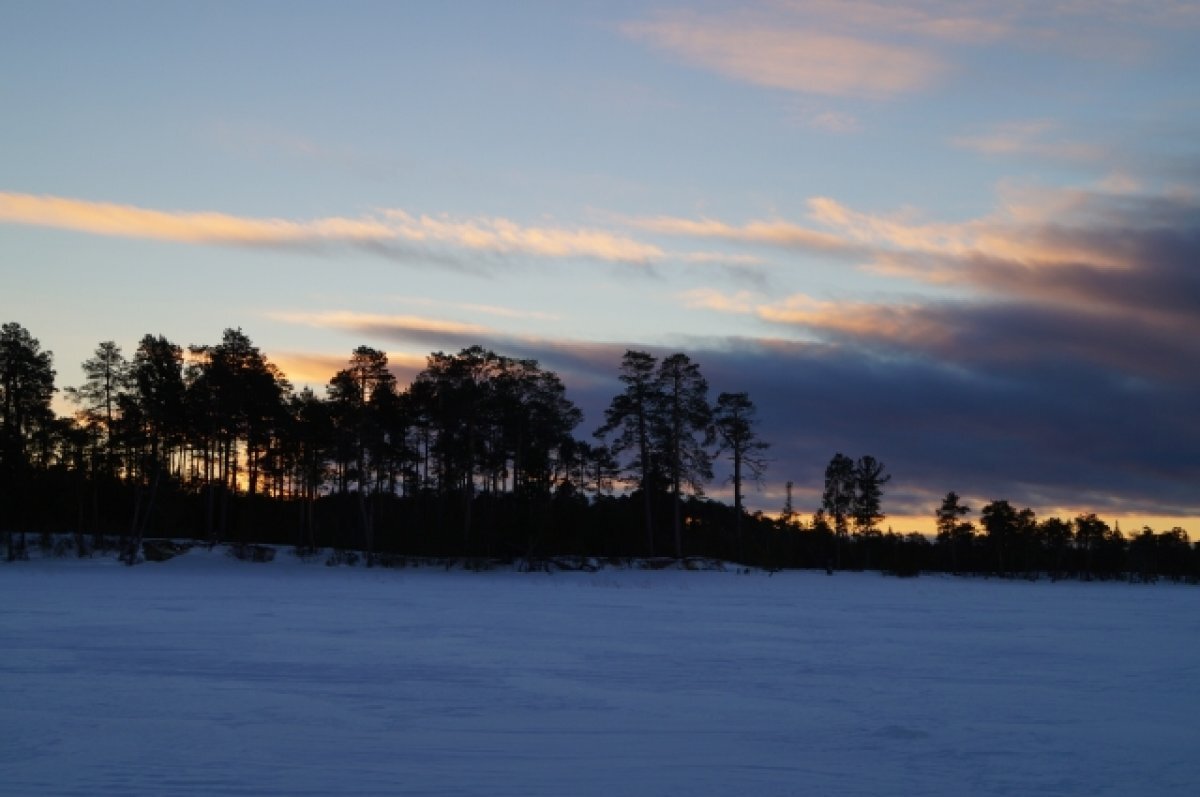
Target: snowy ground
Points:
(209, 675)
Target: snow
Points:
(207, 675)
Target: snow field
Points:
(206, 675)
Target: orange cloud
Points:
(303, 368)
(106, 218)
(1028, 138)
(363, 321)
(307, 368)
(389, 226)
(774, 233)
(502, 235)
(951, 22)
(787, 56)
(1017, 233)
(741, 302)
(895, 323)
(1030, 245)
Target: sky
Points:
(961, 237)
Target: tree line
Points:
(478, 457)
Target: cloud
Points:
(1129, 256)
(1056, 435)
(768, 232)
(406, 328)
(1083, 27)
(788, 56)
(834, 122)
(721, 259)
(390, 232)
(710, 299)
(1088, 276)
(1044, 406)
(1029, 139)
(880, 50)
(106, 218)
(957, 22)
(506, 237)
(308, 368)
(507, 312)
(1062, 435)
(1063, 372)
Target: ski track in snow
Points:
(205, 675)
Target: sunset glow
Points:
(961, 237)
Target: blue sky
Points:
(962, 237)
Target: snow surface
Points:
(209, 675)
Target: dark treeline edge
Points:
(476, 458)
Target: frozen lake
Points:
(209, 675)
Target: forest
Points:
(478, 459)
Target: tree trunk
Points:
(737, 501)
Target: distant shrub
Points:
(63, 546)
(306, 553)
(340, 557)
(162, 550)
(252, 553)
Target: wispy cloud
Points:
(741, 302)
(957, 22)
(482, 309)
(896, 324)
(833, 122)
(788, 56)
(772, 232)
(1080, 25)
(508, 312)
(507, 237)
(419, 327)
(1085, 277)
(379, 230)
(1032, 138)
(106, 218)
(878, 50)
(308, 368)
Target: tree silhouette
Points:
(954, 532)
(156, 402)
(107, 382)
(237, 397)
(687, 432)
(866, 508)
(361, 397)
(837, 499)
(734, 419)
(26, 387)
(633, 415)
(1090, 534)
(1008, 532)
(1055, 534)
(306, 456)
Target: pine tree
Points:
(108, 381)
(633, 416)
(26, 387)
(734, 419)
(687, 432)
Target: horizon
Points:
(958, 237)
